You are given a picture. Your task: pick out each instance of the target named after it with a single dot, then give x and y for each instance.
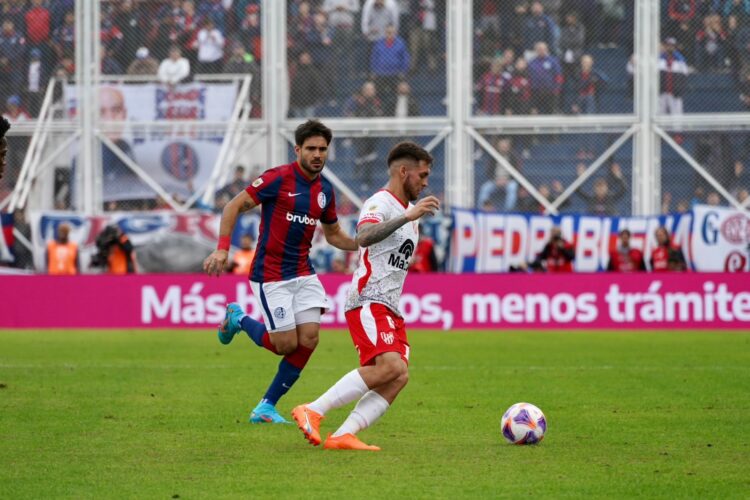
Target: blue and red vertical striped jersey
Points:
(291, 205)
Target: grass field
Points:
(162, 414)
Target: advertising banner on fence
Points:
(178, 159)
(711, 238)
(721, 239)
(436, 301)
(171, 242)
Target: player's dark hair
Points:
(408, 150)
(625, 231)
(4, 126)
(312, 128)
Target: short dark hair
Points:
(625, 231)
(312, 128)
(408, 150)
(4, 126)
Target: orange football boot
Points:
(347, 442)
(308, 422)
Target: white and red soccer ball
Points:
(523, 423)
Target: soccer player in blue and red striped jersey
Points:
(293, 199)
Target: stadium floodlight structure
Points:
(459, 130)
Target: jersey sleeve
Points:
(264, 187)
(374, 211)
(329, 212)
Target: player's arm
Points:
(371, 233)
(216, 262)
(337, 237)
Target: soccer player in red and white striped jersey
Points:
(387, 233)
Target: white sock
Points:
(349, 388)
(369, 409)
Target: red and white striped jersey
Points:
(382, 267)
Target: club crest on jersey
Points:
(257, 182)
(279, 313)
(322, 200)
(387, 337)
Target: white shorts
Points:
(285, 304)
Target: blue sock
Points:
(282, 382)
(254, 329)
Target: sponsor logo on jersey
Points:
(401, 259)
(322, 200)
(257, 182)
(387, 337)
(391, 323)
(302, 219)
(279, 313)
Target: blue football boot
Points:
(231, 324)
(265, 413)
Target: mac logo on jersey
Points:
(302, 219)
(401, 260)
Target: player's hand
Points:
(216, 262)
(428, 205)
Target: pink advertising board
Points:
(438, 301)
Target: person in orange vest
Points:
(244, 257)
(62, 254)
(115, 251)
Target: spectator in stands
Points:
(13, 49)
(500, 188)
(241, 62)
(557, 256)
(168, 34)
(251, 30)
(174, 69)
(572, 43)
(488, 17)
(243, 258)
(539, 27)
(489, 89)
(144, 64)
(307, 88)
(425, 259)
(673, 71)
(739, 179)
(189, 22)
(36, 77)
(133, 28)
(713, 199)
(604, 199)
(518, 90)
(108, 64)
(405, 104)
(710, 44)
(64, 37)
(377, 15)
(236, 185)
(423, 37)
(210, 45)
(342, 18)
(4, 127)
(587, 85)
(666, 256)
(302, 23)
(745, 91)
(680, 16)
(319, 43)
(389, 63)
(62, 254)
(546, 80)
(624, 258)
(37, 21)
(740, 9)
(742, 196)
(365, 103)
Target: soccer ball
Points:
(523, 423)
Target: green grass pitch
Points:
(162, 414)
